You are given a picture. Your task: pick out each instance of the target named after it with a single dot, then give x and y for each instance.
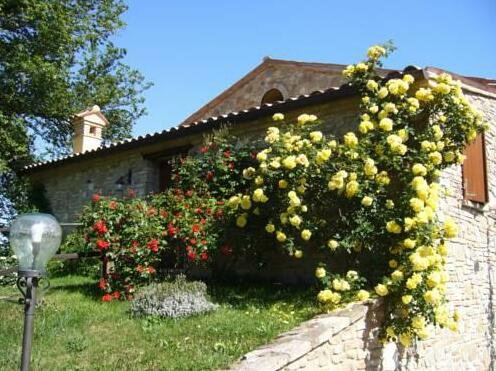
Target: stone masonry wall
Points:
(67, 188)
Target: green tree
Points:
(57, 58)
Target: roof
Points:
(189, 128)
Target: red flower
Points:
(102, 245)
(231, 165)
(100, 227)
(227, 154)
(204, 149)
(189, 193)
(107, 297)
(220, 203)
(198, 210)
(186, 206)
(153, 245)
(171, 230)
(254, 154)
(210, 175)
(96, 197)
(226, 250)
(195, 228)
(102, 283)
(219, 213)
(191, 255)
(112, 205)
(209, 211)
(164, 213)
(140, 268)
(192, 241)
(116, 294)
(204, 256)
(204, 242)
(151, 270)
(203, 221)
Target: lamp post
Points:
(34, 238)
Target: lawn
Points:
(74, 330)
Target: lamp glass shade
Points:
(35, 238)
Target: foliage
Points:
(128, 234)
(375, 190)
(179, 298)
(56, 58)
(247, 317)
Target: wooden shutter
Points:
(474, 172)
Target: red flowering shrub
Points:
(185, 224)
(128, 233)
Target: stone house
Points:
(294, 88)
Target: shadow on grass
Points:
(246, 295)
(89, 289)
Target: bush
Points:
(175, 299)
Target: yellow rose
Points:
(350, 140)
(233, 202)
(298, 254)
(306, 234)
(270, 228)
(332, 244)
(450, 228)
(372, 85)
(409, 243)
(419, 169)
(386, 124)
(362, 295)
(316, 136)
(289, 162)
(381, 290)
(283, 184)
(295, 220)
(382, 93)
(261, 156)
(406, 299)
(351, 188)
(405, 339)
(397, 275)
(278, 117)
(320, 272)
(248, 173)
(417, 204)
(280, 236)
(389, 204)
(241, 221)
(325, 296)
(245, 202)
(367, 201)
(393, 227)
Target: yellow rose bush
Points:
(372, 193)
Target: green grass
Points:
(74, 330)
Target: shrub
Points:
(374, 191)
(178, 298)
(128, 234)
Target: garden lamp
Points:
(34, 238)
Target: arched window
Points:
(273, 95)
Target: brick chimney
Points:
(88, 126)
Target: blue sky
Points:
(193, 50)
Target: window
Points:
(273, 95)
(474, 172)
(93, 130)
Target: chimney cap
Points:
(95, 110)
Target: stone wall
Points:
(68, 189)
